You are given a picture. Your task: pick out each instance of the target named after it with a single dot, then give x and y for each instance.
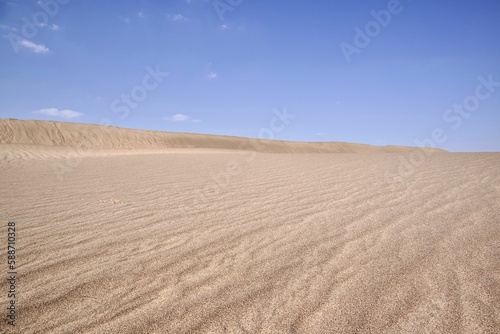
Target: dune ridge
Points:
(90, 136)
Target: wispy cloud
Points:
(209, 72)
(141, 14)
(176, 17)
(36, 48)
(53, 27)
(125, 19)
(181, 118)
(224, 27)
(320, 134)
(7, 27)
(64, 113)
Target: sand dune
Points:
(223, 241)
(88, 136)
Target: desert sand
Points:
(127, 231)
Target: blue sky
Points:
(377, 72)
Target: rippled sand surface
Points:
(212, 241)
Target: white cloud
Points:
(224, 27)
(212, 75)
(64, 113)
(36, 48)
(176, 17)
(141, 14)
(54, 27)
(320, 134)
(181, 118)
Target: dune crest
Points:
(90, 136)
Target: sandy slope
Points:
(86, 136)
(239, 242)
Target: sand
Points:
(89, 136)
(212, 239)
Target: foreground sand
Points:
(236, 242)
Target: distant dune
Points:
(13, 131)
